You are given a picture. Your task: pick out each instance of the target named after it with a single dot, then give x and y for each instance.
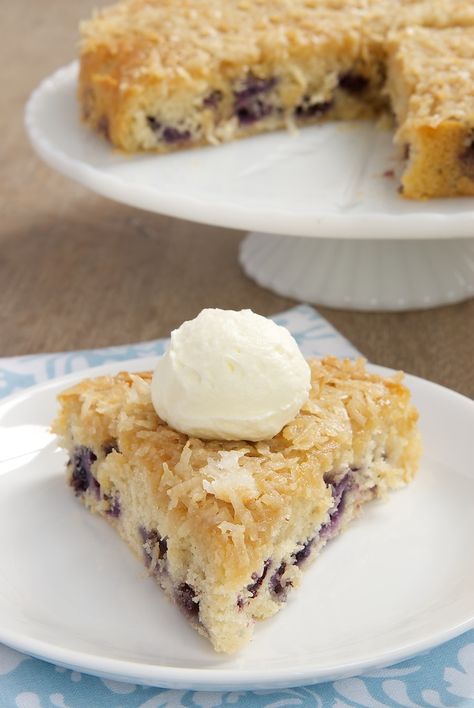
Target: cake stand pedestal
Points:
(362, 274)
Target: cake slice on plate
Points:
(227, 526)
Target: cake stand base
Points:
(362, 274)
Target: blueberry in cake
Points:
(228, 526)
(160, 75)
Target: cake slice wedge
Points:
(227, 528)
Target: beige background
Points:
(78, 271)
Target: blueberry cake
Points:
(162, 75)
(226, 528)
(430, 82)
(159, 75)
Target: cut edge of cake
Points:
(430, 78)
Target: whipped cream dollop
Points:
(230, 375)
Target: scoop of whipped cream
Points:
(230, 375)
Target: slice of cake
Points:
(227, 527)
(430, 80)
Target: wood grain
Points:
(79, 271)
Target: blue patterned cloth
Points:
(439, 678)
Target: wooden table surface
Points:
(79, 271)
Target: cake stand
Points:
(326, 223)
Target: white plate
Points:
(399, 581)
(325, 181)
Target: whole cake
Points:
(160, 75)
(227, 526)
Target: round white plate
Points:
(325, 181)
(399, 581)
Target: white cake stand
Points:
(327, 224)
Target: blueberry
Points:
(150, 539)
(466, 159)
(341, 487)
(166, 133)
(250, 105)
(278, 589)
(213, 99)
(82, 478)
(253, 86)
(306, 109)
(111, 447)
(163, 546)
(153, 124)
(185, 599)
(173, 135)
(115, 507)
(352, 82)
(253, 113)
(254, 587)
(339, 493)
(301, 555)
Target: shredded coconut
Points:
(229, 478)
